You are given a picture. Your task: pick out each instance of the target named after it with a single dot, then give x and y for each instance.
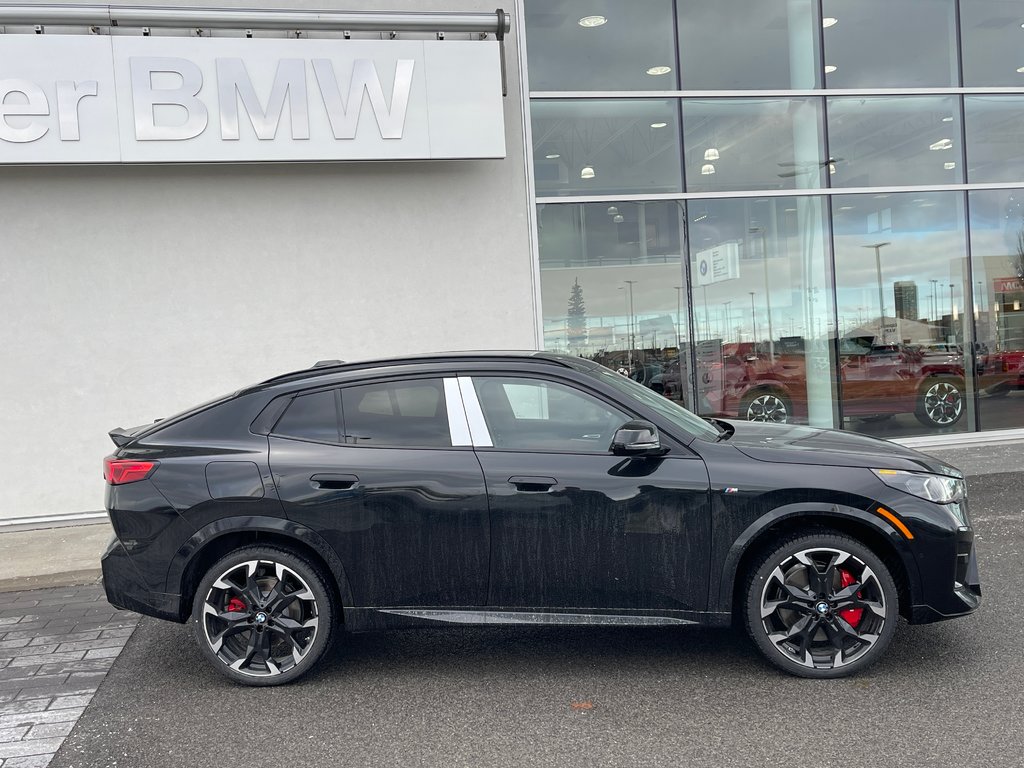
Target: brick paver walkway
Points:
(56, 646)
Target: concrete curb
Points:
(82, 577)
(52, 557)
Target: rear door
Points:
(385, 472)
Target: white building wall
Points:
(130, 293)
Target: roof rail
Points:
(337, 367)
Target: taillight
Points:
(122, 471)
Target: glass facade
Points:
(787, 210)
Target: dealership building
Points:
(808, 211)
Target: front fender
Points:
(187, 553)
(841, 516)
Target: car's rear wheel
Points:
(940, 401)
(263, 616)
(821, 606)
(766, 405)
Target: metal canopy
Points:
(497, 23)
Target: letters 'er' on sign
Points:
(126, 99)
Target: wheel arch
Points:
(215, 540)
(876, 534)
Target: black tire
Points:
(808, 624)
(768, 405)
(263, 616)
(940, 401)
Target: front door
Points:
(573, 526)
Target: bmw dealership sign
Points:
(121, 99)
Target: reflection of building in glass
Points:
(905, 292)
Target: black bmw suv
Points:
(519, 488)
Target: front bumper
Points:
(959, 596)
(124, 586)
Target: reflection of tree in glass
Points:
(576, 325)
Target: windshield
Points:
(676, 414)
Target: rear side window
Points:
(311, 417)
(405, 414)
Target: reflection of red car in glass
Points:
(1003, 372)
(876, 380)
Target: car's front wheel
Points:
(263, 615)
(821, 606)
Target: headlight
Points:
(941, 489)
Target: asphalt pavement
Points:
(947, 694)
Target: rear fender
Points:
(209, 534)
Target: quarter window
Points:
(311, 417)
(407, 414)
(527, 414)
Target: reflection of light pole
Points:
(728, 320)
(632, 322)
(881, 300)
(753, 318)
(679, 305)
(625, 299)
(935, 306)
(707, 319)
(952, 327)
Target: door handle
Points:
(528, 484)
(334, 482)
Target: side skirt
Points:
(369, 619)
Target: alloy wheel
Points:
(768, 407)
(943, 403)
(823, 608)
(260, 618)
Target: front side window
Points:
(534, 415)
(404, 414)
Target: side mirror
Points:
(637, 438)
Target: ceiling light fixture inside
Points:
(1021, 70)
(587, 172)
(947, 119)
(658, 125)
(590, 22)
(707, 169)
(829, 21)
(662, 70)
(618, 218)
(829, 69)
(941, 144)
(949, 166)
(552, 157)
(711, 154)
(612, 210)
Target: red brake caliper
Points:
(235, 605)
(851, 616)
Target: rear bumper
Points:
(124, 587)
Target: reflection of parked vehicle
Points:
(876, 380)
(1003, 373)
(648, 374)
